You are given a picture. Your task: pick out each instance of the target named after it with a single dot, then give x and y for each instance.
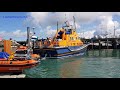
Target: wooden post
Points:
(119, 53)
(99, 44)
(107, 44)
(99, 53)
(115, 45)
(92, 44)
(106, 53)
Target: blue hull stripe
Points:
(64, 52)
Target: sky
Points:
(89, 24)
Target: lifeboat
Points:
(11, 65)
(65, 43)
(22, 58)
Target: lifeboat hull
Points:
(61, 52)
(16, 66)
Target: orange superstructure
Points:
(7, 46)
(66, 38)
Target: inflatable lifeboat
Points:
(15, 65)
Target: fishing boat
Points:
(65, 43)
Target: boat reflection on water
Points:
(70, 69)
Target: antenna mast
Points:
(114, 30)
(28, 37)
(65, 17)
(57, 25)
(74, 22)
(33, 30)
(28, 42)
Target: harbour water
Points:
(94, 64)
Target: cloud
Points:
(49, 19)
(87, 34)
(13, 34)
(2, 33)
(106, 26)
(19, 33)
(46, 23)
(50, 32)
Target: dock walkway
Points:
(13, 76)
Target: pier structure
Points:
(103, 43)
(97, 43)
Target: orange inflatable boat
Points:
(9, 64)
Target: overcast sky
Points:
(14, 24)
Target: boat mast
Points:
(33, 40)
(114, 30)
(65, 17)
(57, 25)
(28, 42)
(28, 37)
(33, 30)
(74, 22)
(66, 22)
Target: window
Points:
(72, 38)
(76, 38)
(21, 52)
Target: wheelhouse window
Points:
(76, 38)
(72, 38)
(21, 52)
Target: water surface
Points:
(94, 64)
